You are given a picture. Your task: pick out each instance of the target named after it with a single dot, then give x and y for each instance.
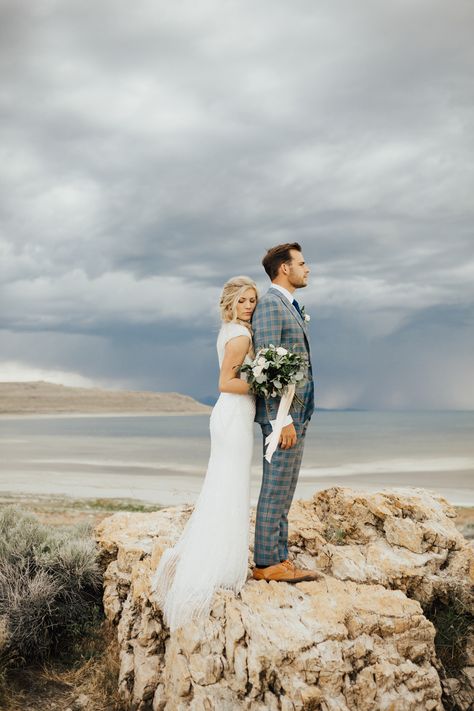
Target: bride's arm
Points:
(234, 353)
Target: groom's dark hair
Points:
(276, 256)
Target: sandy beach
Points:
(158, 484)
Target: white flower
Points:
(281, 351)
(257, 370)
(306, 317)
(261, 361)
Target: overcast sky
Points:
(151, 150)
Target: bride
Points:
(212, 550)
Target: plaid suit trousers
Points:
(276, 321)
(276, 494)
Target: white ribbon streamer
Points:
(274, 437)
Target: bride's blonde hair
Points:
(231, 293)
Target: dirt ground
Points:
(87, 682)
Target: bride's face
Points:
(246, 304)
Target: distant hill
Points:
(41, 397)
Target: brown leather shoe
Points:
(286, 571)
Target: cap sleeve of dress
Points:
(235, 329)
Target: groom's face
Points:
(298, 270)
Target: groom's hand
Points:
(287, 437)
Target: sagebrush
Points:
(50, 587)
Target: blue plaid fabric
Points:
(277, 321)
(276, 494)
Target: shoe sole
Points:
(303, 579)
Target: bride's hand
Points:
(287, 437)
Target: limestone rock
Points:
(357, 639)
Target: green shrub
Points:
(50, 587)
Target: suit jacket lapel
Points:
(290, 308)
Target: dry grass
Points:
(61, 510)
(92, 671)
(454, 624)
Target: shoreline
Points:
(134, 413)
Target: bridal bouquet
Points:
(274, 369)
(274, 372)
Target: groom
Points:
(278, 319)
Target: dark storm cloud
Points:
(150, 152)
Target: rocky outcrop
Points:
(360, 638)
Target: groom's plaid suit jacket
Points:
(277, 321)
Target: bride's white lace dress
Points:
(212, 550)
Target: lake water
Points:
(163, 459)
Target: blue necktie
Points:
(297, 307)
